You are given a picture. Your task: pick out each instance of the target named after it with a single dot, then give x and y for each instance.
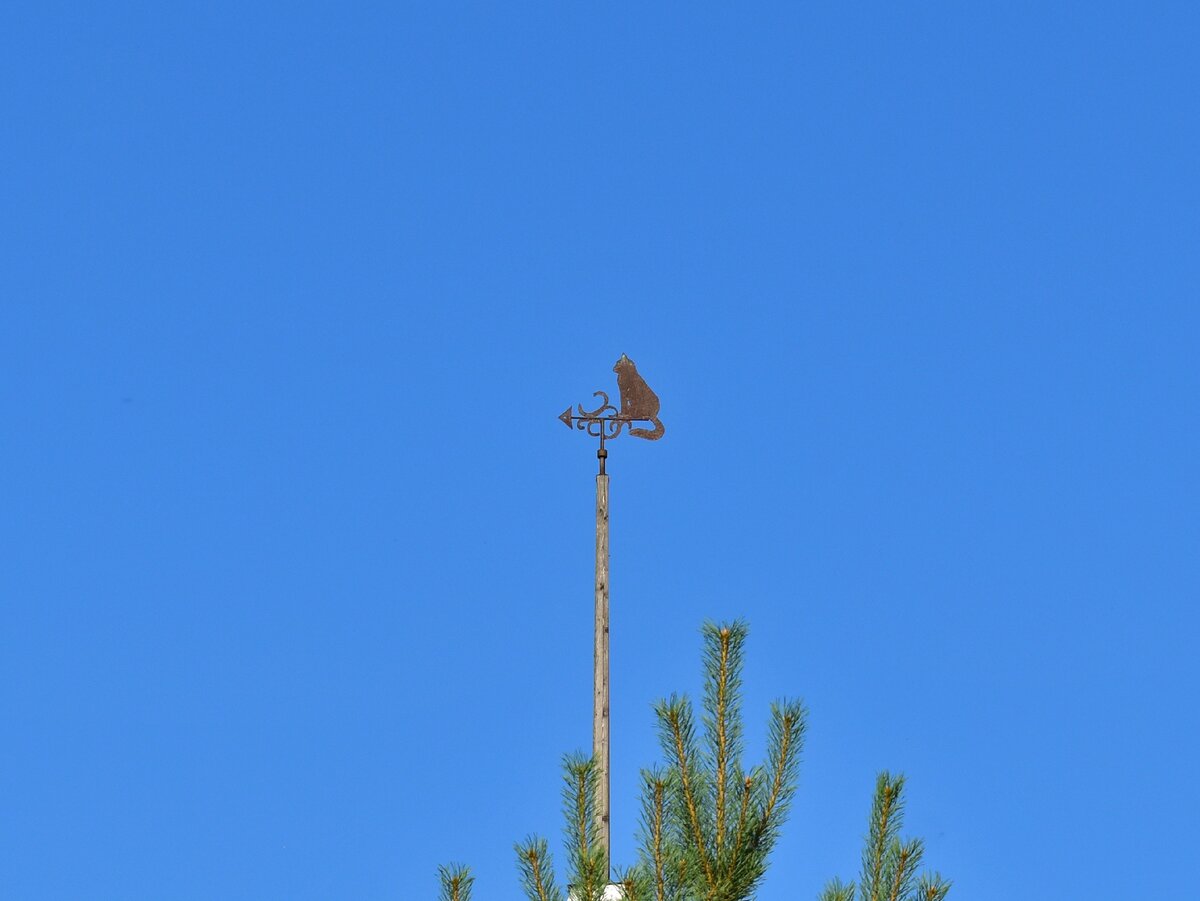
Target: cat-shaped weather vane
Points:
(638, 404)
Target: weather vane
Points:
(638, 405)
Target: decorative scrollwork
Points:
(603, 422)
(601, 428)
(604, 408)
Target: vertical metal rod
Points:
(600, 744)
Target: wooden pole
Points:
(600, 746)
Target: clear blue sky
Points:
(296, 577)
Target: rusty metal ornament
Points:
(638, 404)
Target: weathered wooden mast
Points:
(600, 731)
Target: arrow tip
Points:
(565, 417)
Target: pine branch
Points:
(889, 865)
(767, 794)
(456, 880)
(837, 890)
(723, 660)
(586, 853)
(903, 862)
(788, 726)
(721, 715)
(883, 827)
(933, 888)
(654, 830)
(636, 884)
(743, 819)
(678, 737)
(537, 870)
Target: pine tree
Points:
(708, 822)
(889, 863)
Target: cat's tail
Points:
(649, 434)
